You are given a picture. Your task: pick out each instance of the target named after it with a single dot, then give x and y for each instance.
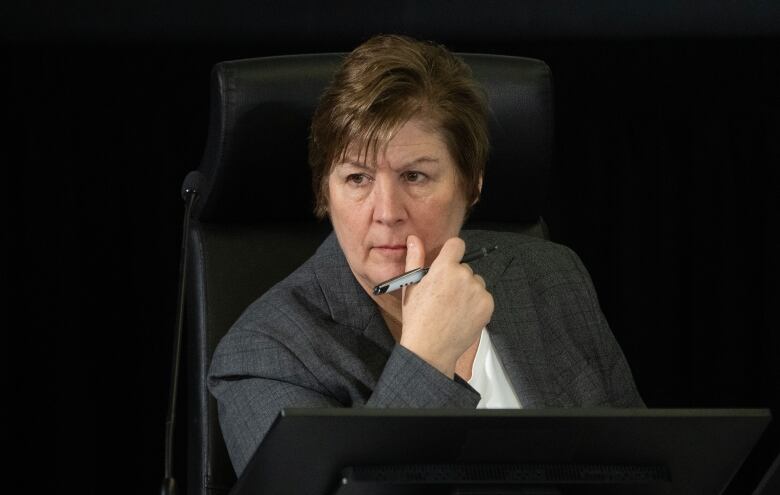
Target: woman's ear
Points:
(479, 191)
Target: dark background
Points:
(665, 182)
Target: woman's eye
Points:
(357, 179)
(414, 176)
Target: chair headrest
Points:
(255, 162)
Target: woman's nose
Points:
(389, 205)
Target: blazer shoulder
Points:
(297, 294)
(531, 252)
(274, 324)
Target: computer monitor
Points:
(543, 451)
(770, 482)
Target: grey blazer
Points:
(317, 339)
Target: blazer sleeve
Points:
(254, 374)
(613, 367)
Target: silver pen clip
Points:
(396, 283)
(416, 275)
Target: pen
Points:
(414, 276)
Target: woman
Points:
(398, 149)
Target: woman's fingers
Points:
(415, 258)
(444, 313)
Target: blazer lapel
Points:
(347, 300)
(519, 347)
(516, 332)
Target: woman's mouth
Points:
(393, 250)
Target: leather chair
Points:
(253, 224)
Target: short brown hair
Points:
(379, 87)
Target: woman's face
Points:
(411, 188)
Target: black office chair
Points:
(253, 223)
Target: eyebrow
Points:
(416, 161)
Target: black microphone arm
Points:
(189, 192)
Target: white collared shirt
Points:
(489, 378)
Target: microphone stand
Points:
(190, 195)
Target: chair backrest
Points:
(253, 223)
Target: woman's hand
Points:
(445, 312)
